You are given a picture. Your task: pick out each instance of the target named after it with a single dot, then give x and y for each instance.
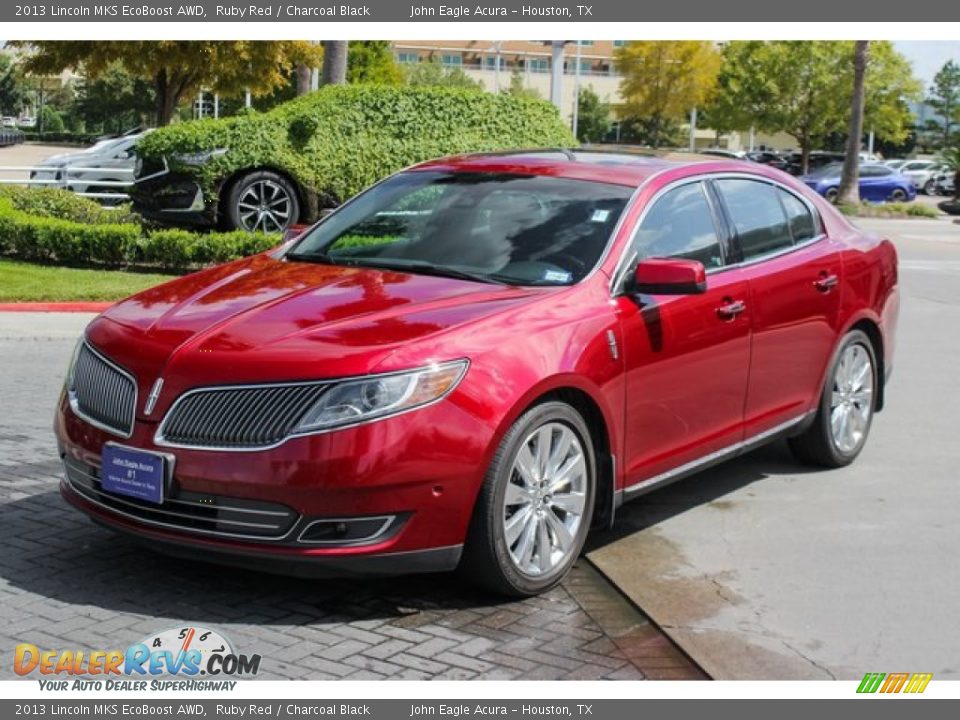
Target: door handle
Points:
(825, 283)
(731, 309)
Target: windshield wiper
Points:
(419, 268)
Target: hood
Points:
(267, 320)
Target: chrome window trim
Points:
(366, 540)
(717, 455)
(159, 440)
(75, 405)
(627, 256)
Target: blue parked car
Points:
(878, 183)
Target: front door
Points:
(686, 357)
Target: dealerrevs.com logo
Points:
(185, 652)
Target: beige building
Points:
(494, 62)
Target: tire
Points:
(899, 195)
(820, 444)
(262, 201)
(507, 557)
(930, 188)
(831, 194)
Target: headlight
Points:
(376, 397)
(199, 158)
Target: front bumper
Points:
(390, 497)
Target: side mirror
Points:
(669, 276)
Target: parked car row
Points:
(878, 183)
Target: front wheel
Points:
(535, 506)
(831, 194)
(899, 195)
(930, 188)
(843, 419)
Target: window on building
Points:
(452, 60)
(586, 43)
(490, 63)
(538, 65)
(406, 57)
(619, 43)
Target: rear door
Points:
(794, 274)
(686, 356)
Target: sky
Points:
(928, 57)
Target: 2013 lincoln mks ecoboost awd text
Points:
(476, 360)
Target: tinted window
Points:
(802, 224)
(517, 229)
(757, 216)
(875, 171)
(680, 224)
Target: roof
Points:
(617, 166)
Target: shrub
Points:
(41, 238)
(341, 139)
(65, 205)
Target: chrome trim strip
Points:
(387, 522)
(159, 440)
(627, 256)
(93, 498)
(153, 396)
(665, 477)
(75, 406)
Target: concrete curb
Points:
(52, 307)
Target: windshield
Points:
(507, 228)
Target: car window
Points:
(875, 171)
(757, 216)
(680, 225)
(802, 223)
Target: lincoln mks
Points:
(476, 361)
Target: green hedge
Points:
(341, 139)
(65, 205)
(49, 239)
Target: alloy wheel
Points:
(265, 206)
(851, 400)
(544, 501)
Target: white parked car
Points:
(109, 161)
(923, 173)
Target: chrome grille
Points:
(102, 393)
(193, 512)
(237, 417)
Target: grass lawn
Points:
(20, 281)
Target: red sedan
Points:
(475, 361)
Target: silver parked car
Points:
(923, 173)
(93, 171)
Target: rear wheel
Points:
(831, 194)
(262, 201)
(843, 420)
(898, 195)
(930, 188)
(534, 509)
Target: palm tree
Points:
(849, 191)
(334, 62)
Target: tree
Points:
(335, 62)
(518, 87)
(179, 68)
(434, 73)
(12, 91)
(849, 191)
(665, 80)
(371, 61)
(593, 116)
(944, 97)
(802, 88)
(114, 102)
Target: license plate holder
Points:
(134, 473)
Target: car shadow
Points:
(55, 552)
(704, 488)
